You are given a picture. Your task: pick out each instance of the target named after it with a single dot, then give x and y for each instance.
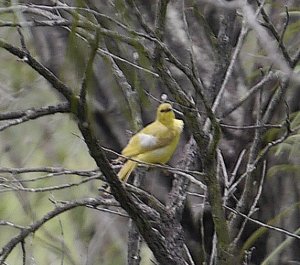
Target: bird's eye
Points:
(165, 110)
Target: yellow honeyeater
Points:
(155, 143)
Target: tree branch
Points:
(21, 116)
(8, 247)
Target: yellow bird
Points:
(155, 143)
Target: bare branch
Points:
(270, 76)
(277, 36)
(10, 224)
(51, 170)
(247, 127)
(18, 117)
(10, 187)
(273, 228)
(8, 247)
(253, 206)
(229, 71)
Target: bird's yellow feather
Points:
(155, 143)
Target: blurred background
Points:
(59, 36)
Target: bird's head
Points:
(165, 114)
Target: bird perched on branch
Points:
(155, 143)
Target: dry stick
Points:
(134, 238)
(40, 23)
(191, 49)
(139, 16)
(212, 260)
(229, 71)
(278, 229)
(221, 164)
(236, 167)
(247, 127)
(106, 53)
(252, 208)
(285, 28)
(274, 32)
(190, 258)
(105, 210)
(45, 189)
(18, 117)
(130, 95)
(134, 245)
(245, 198)
(51, 170)
(267, 42)
(10, 224)
(58, 21)
(133, 41)
(61, 6)
(270, 76)
(201, 217)
(50, 175)
(33, 113)
(274, 228)
(23, 251)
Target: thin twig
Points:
(253, 206)
(274, 32)
(23, 251)
(229, 71)
(11, 225)
(190, 258)
(221, 164)
(34, 113)
(236, 167)
(45, 189)
(50, 170)
(270, 76)
(140, 18)
(274, 228)
(105, 210)
(247, 127)
(8, 247)
(18, 117)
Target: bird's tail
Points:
(126, 170)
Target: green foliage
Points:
(284, 169)
(263, 230)
(273, 256)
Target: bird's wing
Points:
(153, 136)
